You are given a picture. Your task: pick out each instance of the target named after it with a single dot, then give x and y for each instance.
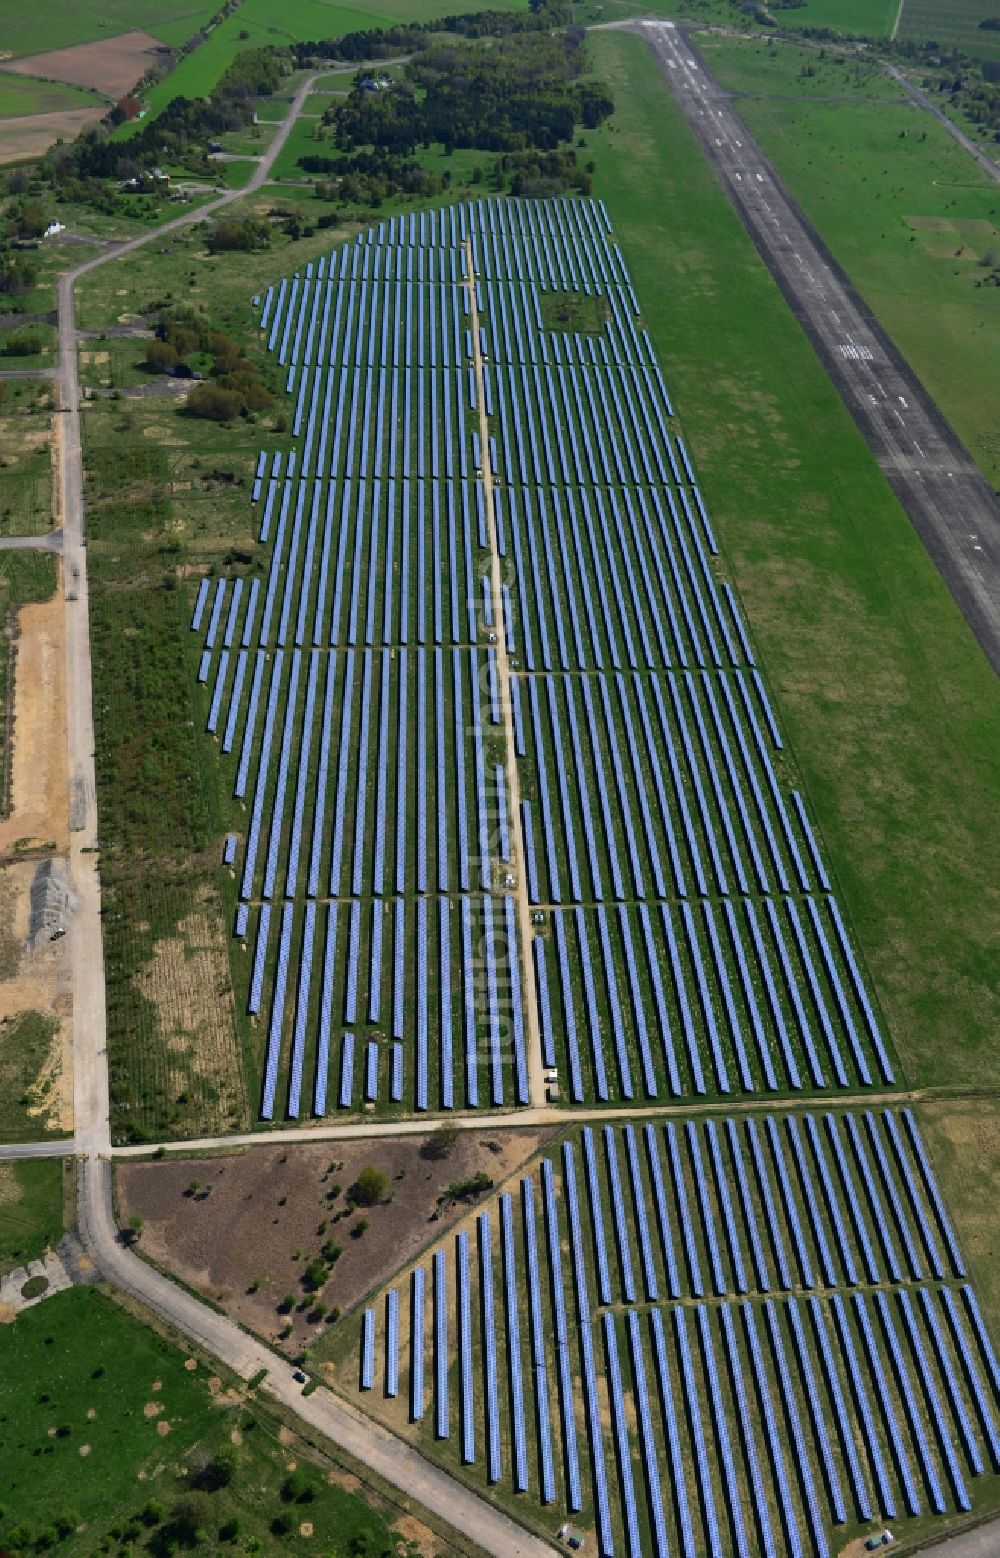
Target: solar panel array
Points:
(688, 939)
(736, 1335)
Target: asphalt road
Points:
(323, 1412)
(950, 504)
(58, 1147)
(49, 541)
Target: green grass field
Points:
(872, 18)
(892, 710)
(907, 213)
(783, 70)
(107, 1437)
(31, 1210)
(954, 22)
(20, 95)
(68, 22)
(309, 137)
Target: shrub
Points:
(297, 1488)
(23, 343)
(370, 1187)
(220, 1470)
(466, 1189)
(248, 235)
(161, 357)
(213, 403)
(441, 1143)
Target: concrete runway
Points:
(950, 504)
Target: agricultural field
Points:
(22, 95)
(111, 67)
(615, 1341)
(867, 18)
(112, 1436)
(954, 22)
(912, 218)
(68, 22)
(31, 1210)
(465, 721)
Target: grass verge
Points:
(31, 1209)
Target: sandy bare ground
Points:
(40, 787)
(39, 978)
(30, 135)
(111, 65)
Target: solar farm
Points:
(517, 826)
(512, 790)
(731, 1336)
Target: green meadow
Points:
(114, 1439)
(892, 710)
